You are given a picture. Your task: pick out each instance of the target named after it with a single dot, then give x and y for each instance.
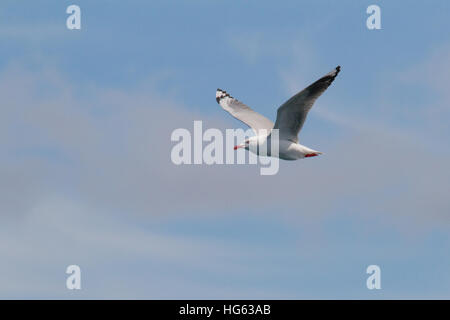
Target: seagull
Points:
(291, 116)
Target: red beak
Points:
(236, 147)
(311, 155)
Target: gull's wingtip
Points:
(333, 74)
(221, 94)
(336, 71)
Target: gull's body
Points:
(290, 118)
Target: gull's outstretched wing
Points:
(242, 112)
(292, 114)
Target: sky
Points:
(86, 177)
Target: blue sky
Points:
(85, 125)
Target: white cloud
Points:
(115, 150)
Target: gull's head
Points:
(247, 144)
(244, 145)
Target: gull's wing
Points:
(292, 114)
(242, 112)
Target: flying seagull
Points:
(290, 118)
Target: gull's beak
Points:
(239, 146)
(313, 154)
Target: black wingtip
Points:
(217, 97)
(223, 95)
(333, 76)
